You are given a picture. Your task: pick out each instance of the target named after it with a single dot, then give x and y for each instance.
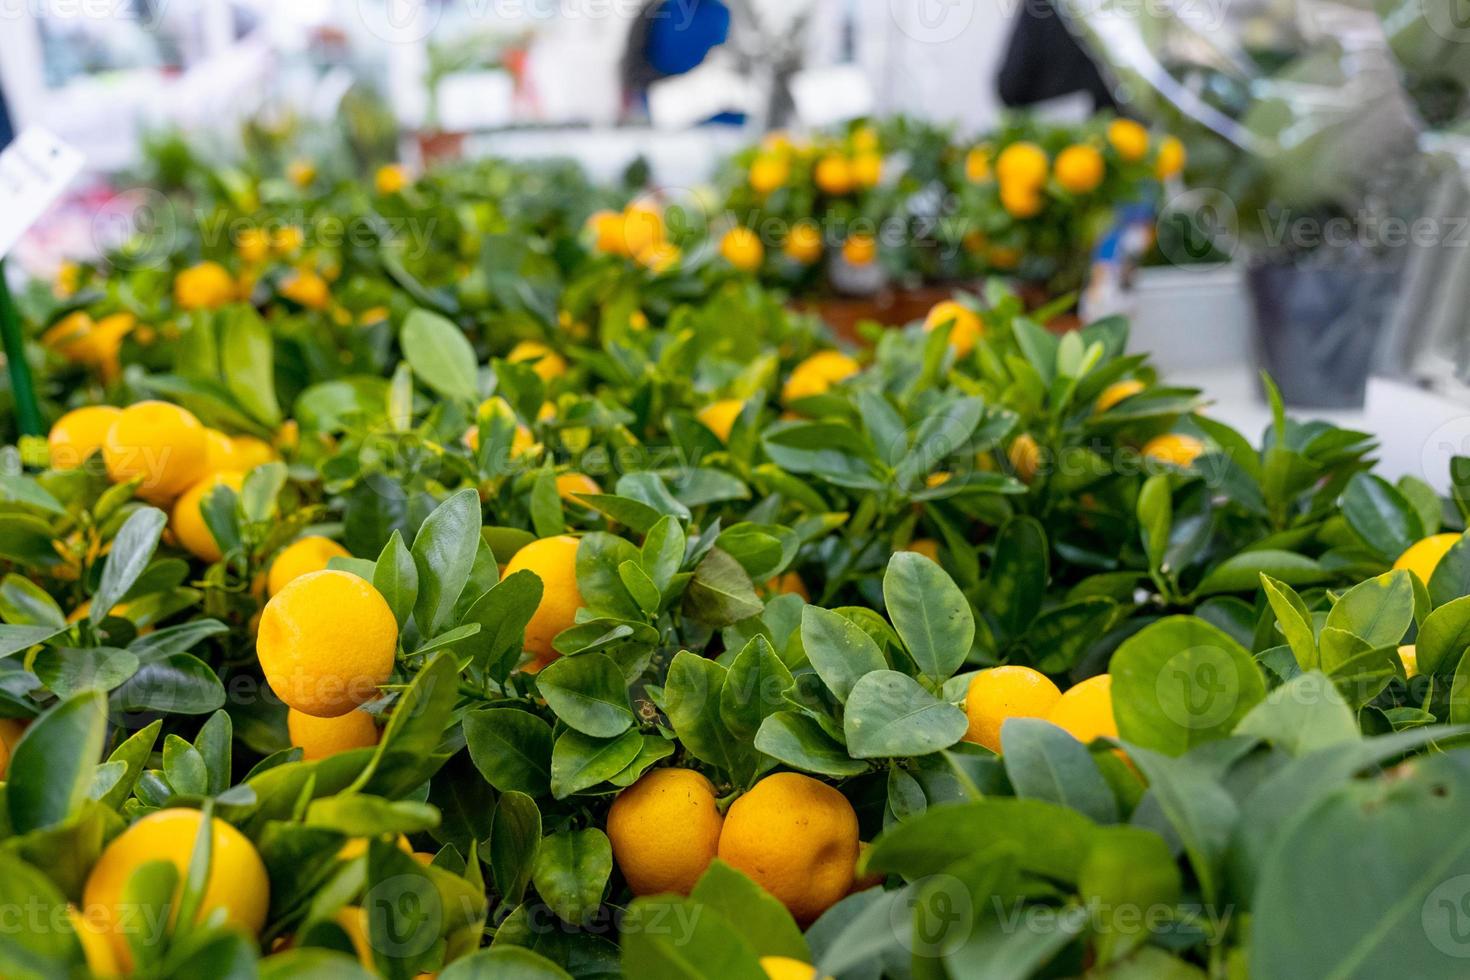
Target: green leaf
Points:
(247, 355)
(396, 577)
(1304, 714)
(1294, 620)
(67, 671)
(800, 742)
(672, 938)
(444, 553)
(840, 651)
(1155, 517)
(755, 686)
(1451, 578)
(511, 748)
(51, 768)
(930, 614)
(1017, 576)
(890, 714)
(588, 693)
(1444, 636)
(35, 952)
(1045, 763)
(1242, 572)
(754, 912)
(1179, 682)
(132, 549)
(1378, 611)
(502, 614)
(580, 761)
(504, 963)
(1200, 812)
(1380, 515)
(692, 702)
(1128, 871)
(720, 593)
(571, 871)
(440, 355)
(24, 603)
(515, 836)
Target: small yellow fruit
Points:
(390, 179)
(306, 287)
(795, 837)
(206, 286)
(1080, 168)
(865, 139)
(1006, 692)
(659, 257)
(867, 169)
(789, 583)
(664, 830)
(1173, 449)
(719, 417)
(967, 327)
(92, 934)
(68, 279)
(322, 737)
(248, 452)
(1408, 654)
(1423, 556)
(803, 243)
(301, 557)
(78, 339)
(607, 232)
(570, 484)
(1129, 139)
(288, 239)
(860, 249)
(80, 433)
(1117, 392)
(554, 561)
(547, 363)
(253, 245)
(1086, 710)
(1022, 164)
(977, 165)
(301, 172)
(1171, 158)
(742, 249)
(833, 175)
(643, 228)
(927, 547)
(237, 882)
(163, 444)
(353, 920)
(327, 642)
(768, 172)
(817, 374)
(1025, 457)
(187, 521)
(1021, 200)
(786, 968)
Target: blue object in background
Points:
(682, 33)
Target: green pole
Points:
(27, 409)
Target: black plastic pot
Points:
(1317, 328)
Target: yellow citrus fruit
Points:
(11, 729)
(1006, 692)
(1117, 392)
(246, 453)
(786, 968)
(867, 169)
(80, 433)
(353, 920)
(966, 328)
(789, 583)
(1170, 159)
(205, 286)
(288, 239)
(1002, 257)
(547, 363)
(570, 484)
(237, 882)
(68, 279)
(719, 417)
(1173, 448)
(795, 837)
(92, 934)
(607, 232)
(1423, 556)
(833, 175)
(253, 245)
(659, 257)
(768, 171)
(301, 557)
(643, 227)
(927, 547)
(321, 737)
(1079, 168)
(306, 287)
(741, 248)
(1085, 711)
(859, 249)
(390, 179)
(817, 374)
(1021, 200)
(977, 165)
(1025, 457)
(1408, 654)
(803, 243)
(1129, 139)
(187, 521)
(865, 138)
(664, 830)
(301, 172)
(327, 641)
(554, 561)
(1022, 164)
(94, 344)
(163, 444)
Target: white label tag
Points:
(34, 170)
